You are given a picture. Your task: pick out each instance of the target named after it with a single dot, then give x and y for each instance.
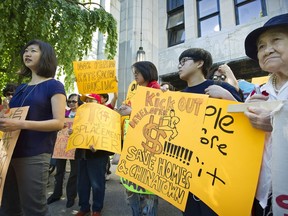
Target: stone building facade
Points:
(171, 26)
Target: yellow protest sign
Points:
(227, 160)
(98, 76)
(190, 143)
(154, 156)
(97, 125)
(131, 92)
(260, 80)
(7, 144)
(62, 141)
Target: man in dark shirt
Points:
(194, 65)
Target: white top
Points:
(265, 179)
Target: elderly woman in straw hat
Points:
(269, 46)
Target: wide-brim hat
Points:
(251, 39)
(91, 96)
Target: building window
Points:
(248, 10)
(175, 22)
(174, 4)
(208, 17)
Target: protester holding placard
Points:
(91, 173)
(73, 103)
(193, 66)
(27, 177)
(145, 74)
(269, 46)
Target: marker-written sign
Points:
(154, 156)
(98, 76)
(62, 141)
(96, 125)
(179, 142)
(7, 144)
(227, 160)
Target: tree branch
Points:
(86, 3)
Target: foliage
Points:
(68, 25)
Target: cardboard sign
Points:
(227, 160)
(96, 125)
(62, 141)
(154, 156)
(260, 80)
(179, 142)
(7, 144)
(98, 76)
(279, 161)
(131, 92)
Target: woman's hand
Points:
(8, 125)
(164, 88)
(125, 110)
(259, 118)
(257, 98)
(92, 148)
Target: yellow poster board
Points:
(96, 125)
(7, 144)
(227, 160)
(260, 80)
(215, 155)
(59, 151)
(97, 76)
(131, 92)
(153, 155)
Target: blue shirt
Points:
(200, 89)
(38, 97)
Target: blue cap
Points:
(251, 39)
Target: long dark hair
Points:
(48, 61)
(147, 69)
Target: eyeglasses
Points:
(221, 77)
(183, 60)
(71, 101)
(135, 72)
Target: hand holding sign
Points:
(178, 142)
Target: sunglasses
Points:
(9, 94)
(220, 77)
(72, 101)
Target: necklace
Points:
(274, 84)
(28, 93)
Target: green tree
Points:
(68, 25)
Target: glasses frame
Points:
(72, 101)
(221, 77)
(184, 60)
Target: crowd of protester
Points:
(27, 176)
